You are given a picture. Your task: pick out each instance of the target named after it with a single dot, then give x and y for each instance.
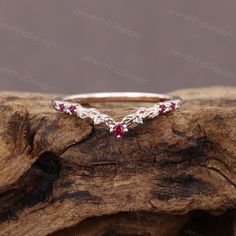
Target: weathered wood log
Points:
(57, 171)
(137, 223)
(234, 224)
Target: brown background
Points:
(45, 45)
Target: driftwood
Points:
(173, 175)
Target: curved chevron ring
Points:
(74, 105)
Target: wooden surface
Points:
(58, 173)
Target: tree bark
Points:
(61, 175)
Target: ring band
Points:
(74, 105)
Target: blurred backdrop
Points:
(71, 46)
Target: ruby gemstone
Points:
(119, 130)
(163, 107)
(172, 105)
(72, 109)
(61, 107)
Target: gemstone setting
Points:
(97, 120)
(138, 120)
(61, 106)
(163, 107)
(172, 105)
(72, 109)
(119, 130)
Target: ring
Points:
(75, 104)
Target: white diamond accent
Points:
(138, 120)
(97, 120)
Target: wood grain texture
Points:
(58, 171)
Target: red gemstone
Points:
(61, 107)
(119, 130)
(163, 107)
(72, 109)
(172, 105)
